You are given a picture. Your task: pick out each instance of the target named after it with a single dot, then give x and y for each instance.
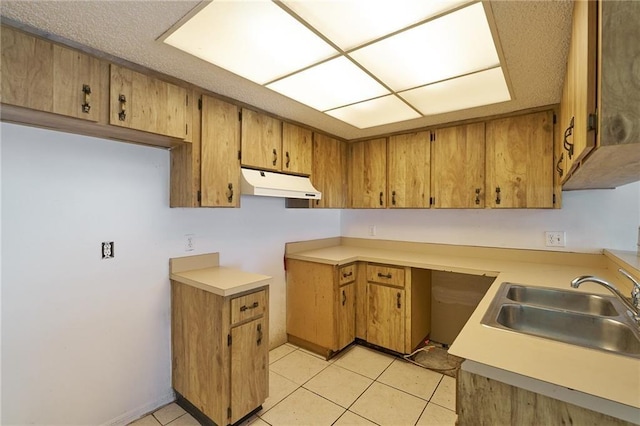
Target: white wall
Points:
(87, 341)
(592, 220)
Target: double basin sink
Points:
(589, 320)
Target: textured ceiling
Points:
(534, 36)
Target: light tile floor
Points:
(358, 387)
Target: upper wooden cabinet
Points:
(141, 102)
(40, 75)
(368, 174)
(605, 39)
(261, 141)
(409, 169)
(457, 167)
(330, 171)
(297, 146)
(519, 162)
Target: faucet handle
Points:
(635, 293)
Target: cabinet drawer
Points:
(248, 306)
(347, 274)
(385, 275)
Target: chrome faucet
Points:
(633, 305)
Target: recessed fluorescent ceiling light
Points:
(375, 18)
(375, 112)
(306, 51)
(482, 88)
(255, 39)
(329, 85)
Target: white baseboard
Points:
(139, 412)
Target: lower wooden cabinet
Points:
(220, 351)
(320, 305)
(386, 316)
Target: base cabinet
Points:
(385, 325)
(220, 351)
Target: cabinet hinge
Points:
(554, 118)
(200, 104)
(199, 196)
(228, 340)
(228, 412)
(240, 115)
(592, 122)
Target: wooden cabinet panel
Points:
(261, 141)
(385, 317)
(297, 146)
(388, 275)
(520, 161)
(346, 274)
(409, 170)
(458, 167)
(330, 171)
(249, 368)
(140, 102)
(248, 306)
(346, 321)
(368, 174)
(220, 146)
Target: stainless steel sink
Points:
(566, 300)
(588, 320)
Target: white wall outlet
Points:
(189, 242)
(372, 230)
(555, 238)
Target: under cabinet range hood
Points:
(271, 184)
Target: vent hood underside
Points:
(271, 184)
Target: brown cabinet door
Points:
(409, 170)
(249, 367)
(140, 102)
(261, 141)
(458, 167)
(346, 315)
(220, 146)
(385, 317)
(297, 147)
(520, 161)
(368, 174)
(330, 171)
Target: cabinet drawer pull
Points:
(245, 307)
(477, 195)
(288, 161)
(381, 194)
(275, 156)
(259, 330)
(344, 298)
(86, 106)
(381, 275)
(398, 296)
(345, 275)
(122, 115)
(230, 193)
(559, 165)
(568, 146)
(393, 198)
(498, 195)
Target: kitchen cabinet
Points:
(261, 141)
(47, 77)
(297, 146)
(320, 305)
(409, 170)
(368, 174)
(519, 161)
(606, 107)
(220, 350)
(142, 102)
(385, 320)
(330, 171)
(458, 166)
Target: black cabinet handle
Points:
(286, 155)
(381, 194)
(344, 298)
(381, 275)
(122, 115)
(398, 296)
(86, 106)
(559, 165)
(275, 156)
(568, 146)
(259, 330)
(498, 195)
(477, 195)
(230, 193)
(245, 307)
(345, 275)
(393, 198)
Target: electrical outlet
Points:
(107, 250)
(555, 238)
(189, 242)
(372, 230)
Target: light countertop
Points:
(609, 376)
